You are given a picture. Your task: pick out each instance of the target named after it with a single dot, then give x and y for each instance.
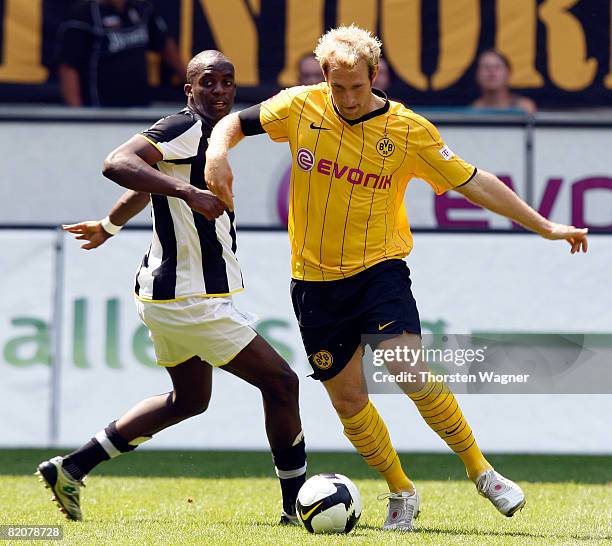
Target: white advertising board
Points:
(26, 270)
(462, 284)
(54, 174)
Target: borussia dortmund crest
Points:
(323, 360)
(385, 146)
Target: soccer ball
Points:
(329, 503)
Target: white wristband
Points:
(109, 227)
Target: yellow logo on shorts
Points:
(323, 360)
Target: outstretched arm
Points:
(486, 190)
(128, 206)
(96, 232)
(218, 173)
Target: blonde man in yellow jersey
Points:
(354, 152)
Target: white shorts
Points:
(209, 328)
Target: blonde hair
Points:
(346, 46)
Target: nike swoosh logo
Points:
(313, 126)
(448, 432)
(383, 326)
(306, 515)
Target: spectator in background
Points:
(493, 75)
(383, 78)
(102, 52)
(309, 70)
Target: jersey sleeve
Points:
(436, 163)
(176, 137)
(274, 115)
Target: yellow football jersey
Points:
(348, 178)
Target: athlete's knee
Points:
(282, 386)
(190, 406)
(349, 404)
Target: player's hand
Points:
(576, 237)
(219, 179)
(88, 231)
(207, 204)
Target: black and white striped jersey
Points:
(189, 255)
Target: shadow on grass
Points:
(258, 464)
(429, 530)
(423, 530)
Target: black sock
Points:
(104, 445)
(290, 466)
(290, 488)
(80, 462)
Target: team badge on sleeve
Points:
(446, 153)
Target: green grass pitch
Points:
(192, 497)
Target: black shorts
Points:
(334, 315)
